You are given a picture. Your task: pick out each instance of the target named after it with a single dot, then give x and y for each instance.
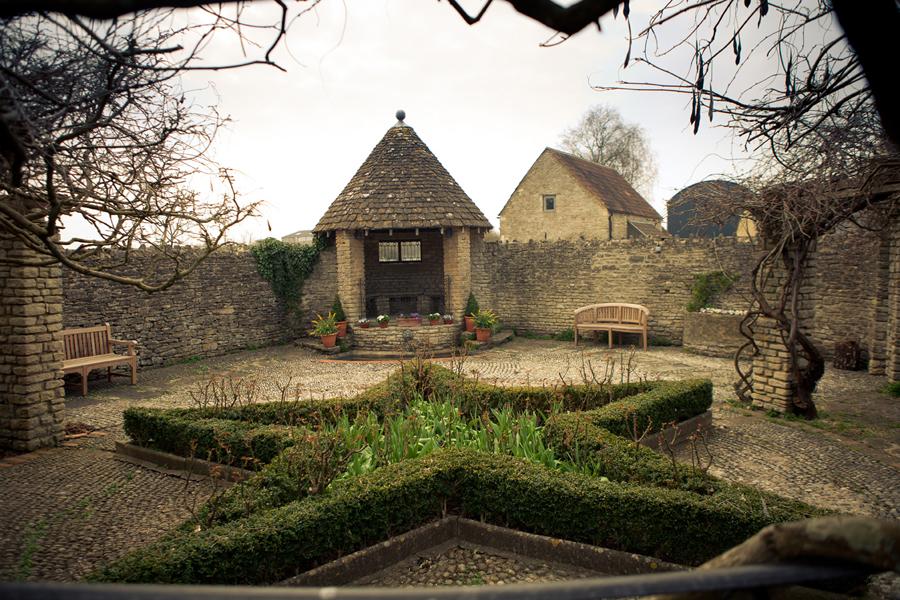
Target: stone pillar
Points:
(31, 351)
(773, 383)
(457, 270)
(351, 274)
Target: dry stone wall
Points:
(537, 286)
(223, 306)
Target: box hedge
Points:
(268, 546)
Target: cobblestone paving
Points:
(461, 565)
(65, 511)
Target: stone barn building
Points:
(563, 197)
(403, 230)
(683, 218)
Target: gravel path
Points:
(67, 510)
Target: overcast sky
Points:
(485, 98)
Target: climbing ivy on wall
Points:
(707, 286)
(286, 266)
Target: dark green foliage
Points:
(893, 389)
(338, 309)
(304, 469)
(271, 545)
(566, 335)
(667, 402)
(238, 443)
(287, 518)
(471, 305)
(707, 286)
(286, 266)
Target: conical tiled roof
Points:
(401, 185)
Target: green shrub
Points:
(566, 335)
(707, 286)
(219, 440)
(893, 389)
(471, 305)
(667, 402)
(338, 309)
(272, 545)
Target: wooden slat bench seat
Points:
(610, 317)
(89, 348)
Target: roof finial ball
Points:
(401, 114)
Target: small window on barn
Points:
(410, 251)
(549, 202)
(388, 252)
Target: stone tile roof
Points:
(610, 187)
(645, 230)
(401, 185)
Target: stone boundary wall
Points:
(319, 289)
(536, 286)
(712, 334)
(223, 306)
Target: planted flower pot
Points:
(383, 325)
(329, 340)
(482, 334)
(364, 325)
(342, 328)
(470, 323)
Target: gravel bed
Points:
(468, 565)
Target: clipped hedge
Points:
(667, 402)
(275, 544)
(225, 441)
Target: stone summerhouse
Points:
(403, 230)
(563, 197)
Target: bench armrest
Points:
(130, 343)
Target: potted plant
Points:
(471, 311)
(448, 319)
(340, 318)
(485, 320)
(434, 318)
(326, 329)
(363, 323)
(383, 320)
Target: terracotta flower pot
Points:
(448, 321)
(482, 334)
(342, 328)
(434, 322)
(329, 340)
(470, 323)
(364, 325)
(383, 325)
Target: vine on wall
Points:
(286, 267)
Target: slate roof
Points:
(401, 185)
(612, 189)
(684, 208)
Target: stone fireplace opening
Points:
(403, 272)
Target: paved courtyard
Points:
(66, 510)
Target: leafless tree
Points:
(97, 137)
(603, 137)
(851, 175)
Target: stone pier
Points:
(31, 350)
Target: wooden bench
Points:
(89, 348)
(610, 317)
